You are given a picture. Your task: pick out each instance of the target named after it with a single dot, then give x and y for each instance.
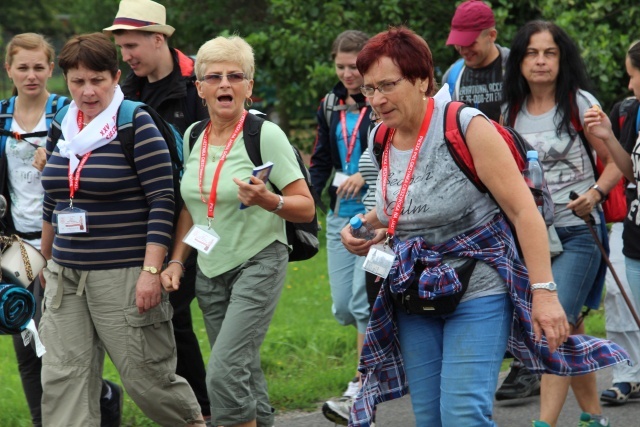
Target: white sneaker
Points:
(338, 410)
(352, 388)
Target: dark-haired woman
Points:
(546, 97)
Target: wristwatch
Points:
(550, 286)
(150, 269)
(603, 196)
(280, 204)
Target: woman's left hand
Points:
(148, 291)
(255, 193)
(40, 159)
(351, 187)
(549, 319)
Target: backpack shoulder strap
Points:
(54, 103)
(251, 134)
(457, 144)
(55, 131)
(196, 131)
(453, 79)
(577, 125)
(126, 133)
(380, 139)
(328, 106)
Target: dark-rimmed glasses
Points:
(383, 88)
(216, 79)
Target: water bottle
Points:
(361, 230)
(532, 174)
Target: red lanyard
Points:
(350, 143)
(203, 161)
(397, 209)
(74, 178)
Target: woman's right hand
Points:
(597, 123)
(170, 277)
(40, 159)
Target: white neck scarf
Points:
(100, 131)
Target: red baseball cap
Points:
(470, 19)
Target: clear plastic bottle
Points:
(360, 229)
(534, 178)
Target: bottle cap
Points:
(355, 222)
(532, 155)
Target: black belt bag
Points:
(410, 302)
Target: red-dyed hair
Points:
(406, 49)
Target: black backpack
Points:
(303, 237)
(126, 134)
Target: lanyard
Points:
(350, 143)
(74, 178)
(203, 161)
(397, 209)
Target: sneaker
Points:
(352, 388)
(111, 404)
(619, 393)
(537, 423)
(338, 410)
(519, 383)
(588, 420)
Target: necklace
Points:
(25, 122)
(216, 152)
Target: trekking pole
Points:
(590, 223)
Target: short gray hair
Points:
(226, 49)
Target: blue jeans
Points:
(347, 279)
(633, 278)
(575, 269)
(452, 362)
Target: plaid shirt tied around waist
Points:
(381, 360)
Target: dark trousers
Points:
(373, 288)
(29, 364)
(190, 362)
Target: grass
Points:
(307, 357)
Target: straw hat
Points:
(141, 15)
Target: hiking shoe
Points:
(338, 410)
(537, 423)
(111, 404)
(518, 384)
(619, 393)
(588, 420)
(352, 388)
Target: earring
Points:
(424, 96)
(204, 102)
(249, 102)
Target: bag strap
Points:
(453, 78)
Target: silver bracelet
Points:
(175, 261)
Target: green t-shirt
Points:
(243, 233)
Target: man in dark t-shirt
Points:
(476, 78)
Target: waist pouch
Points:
(410, 302)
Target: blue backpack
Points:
(126, 134)
(454, 75)
(54, 103)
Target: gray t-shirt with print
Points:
(441, 202)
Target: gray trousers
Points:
(237, 307)
(90, 312)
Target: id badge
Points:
(339, 178)
(201, 238)
(72, 221)
(379, 260)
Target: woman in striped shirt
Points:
(106, 230)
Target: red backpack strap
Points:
(380, 140)
(457, 144)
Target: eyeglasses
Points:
(383, 88)
(216, 79)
